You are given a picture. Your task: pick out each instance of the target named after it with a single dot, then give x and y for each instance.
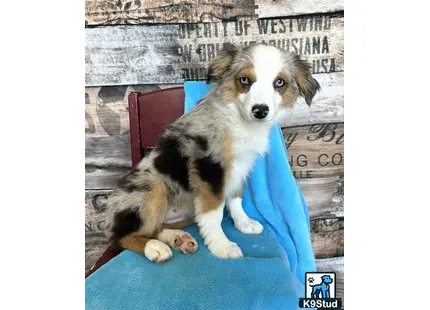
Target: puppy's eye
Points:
(279, 83)
(244, 80)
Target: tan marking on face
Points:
(233, 87)
(246, 72)
(286, 91)
(228, 92)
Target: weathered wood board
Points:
(121, 12)
(315, 151)
(116, 12)
(95, 240)
(326, 234)
(276, 8)
(107, 139)
(174, 53)
(319, 194)
(328, 237)
(337, 201)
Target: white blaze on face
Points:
(267, 63)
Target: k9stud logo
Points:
(320, 291)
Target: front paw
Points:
(249, 226)
(157, 251)
(225, 249)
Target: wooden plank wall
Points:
(174, 53)
(132, 12)
(134, 45)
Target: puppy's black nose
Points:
(260, 111)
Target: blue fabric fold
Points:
(271, 274)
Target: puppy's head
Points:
(261, 80)
(326, 279)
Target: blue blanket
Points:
(270, 276)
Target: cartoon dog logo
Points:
(322, 295)
(322, 289)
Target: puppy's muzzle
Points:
(260, 111)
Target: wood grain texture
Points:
(107, 140)
(315, 151)
(326, 234)
(338, 197)
(132, 12)
(319, 195)
(95, 240)
(118, 12)
(328, 237)
(276, 8)
(174, 53)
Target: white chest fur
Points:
(249, 142)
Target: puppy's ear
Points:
(308, 86)
(220, 65)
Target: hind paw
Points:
(179, 240)
(185, 243)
